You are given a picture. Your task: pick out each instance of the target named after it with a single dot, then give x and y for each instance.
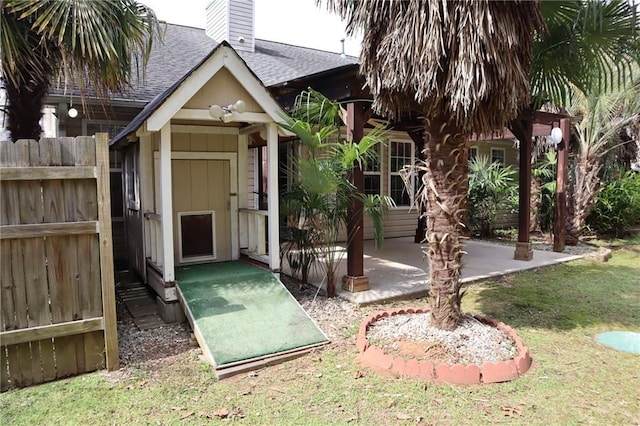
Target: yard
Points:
(557, 311)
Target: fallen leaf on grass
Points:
(277, 389)
(203, 414)
(187, 415)
(402, 416)
(178, 408)
(223, 413)
(509, 411)
(358, 374)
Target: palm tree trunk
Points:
(446, 154)
(536, 203)
(582, 198)
(25, 103)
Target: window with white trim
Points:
(373, 175)
(131, 178)
(498, 156)
(473, 153)
(400, 154)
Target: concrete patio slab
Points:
(397, 270)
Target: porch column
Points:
(273, 195)
(522, 128)
(355, 279)
(166, 203)
(560, 221)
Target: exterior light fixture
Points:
(73, 113)
(225, 113)
(556, 135)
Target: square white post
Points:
(166, 203)
(273, 197)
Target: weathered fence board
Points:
(57, 290)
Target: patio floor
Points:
(397, 271)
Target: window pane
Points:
(473, 153)
(399, 192)
(497, 156)
(371, 184)
(400, 155)
(197, 235)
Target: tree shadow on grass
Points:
(566, 296)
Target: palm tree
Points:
(86, 43)
(452, 62)
(604, 116)
(316, 208)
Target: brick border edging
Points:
(456, 374)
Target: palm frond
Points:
(450, 57)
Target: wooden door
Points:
(201, 204)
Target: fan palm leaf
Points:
(93, 45)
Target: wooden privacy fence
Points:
(56, 262)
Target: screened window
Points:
(400, 155)
(497, 155)
(372, 175)
(473, 153)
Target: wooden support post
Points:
(166, 204)
(273, 195)
(355, 279)
(523, 130)
(560, 221)
(106, 253)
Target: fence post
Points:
(106, 253)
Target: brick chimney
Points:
(233, 21)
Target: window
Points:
(197, 236)
(131, 178)
(400, 155)
(497, 155)
(91, 127)
(372, 175)
(473, 153)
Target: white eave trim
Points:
(225, 57)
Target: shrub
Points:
(490, 186)
(617, 206)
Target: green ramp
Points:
(241, 313)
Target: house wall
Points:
(223, 89)
(202, 183)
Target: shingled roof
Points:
(184, 47)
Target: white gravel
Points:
(471, 343)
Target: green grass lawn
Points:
(557, 311)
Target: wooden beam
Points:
(234, 117)
(560, 221)
(41, 332)
(522, 128)
(106, 253)
(40, 173)
(206, 130)
(48, 229)
(252, 128)
(356, 118)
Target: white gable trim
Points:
(227, 58)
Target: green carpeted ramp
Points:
(241, 313)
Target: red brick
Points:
(411, 311)
(499, 372)
(397, 365)
(523, 361)
(443, 373)
(412, 368)
(426, 370)
(362, 343)
(461, 375)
